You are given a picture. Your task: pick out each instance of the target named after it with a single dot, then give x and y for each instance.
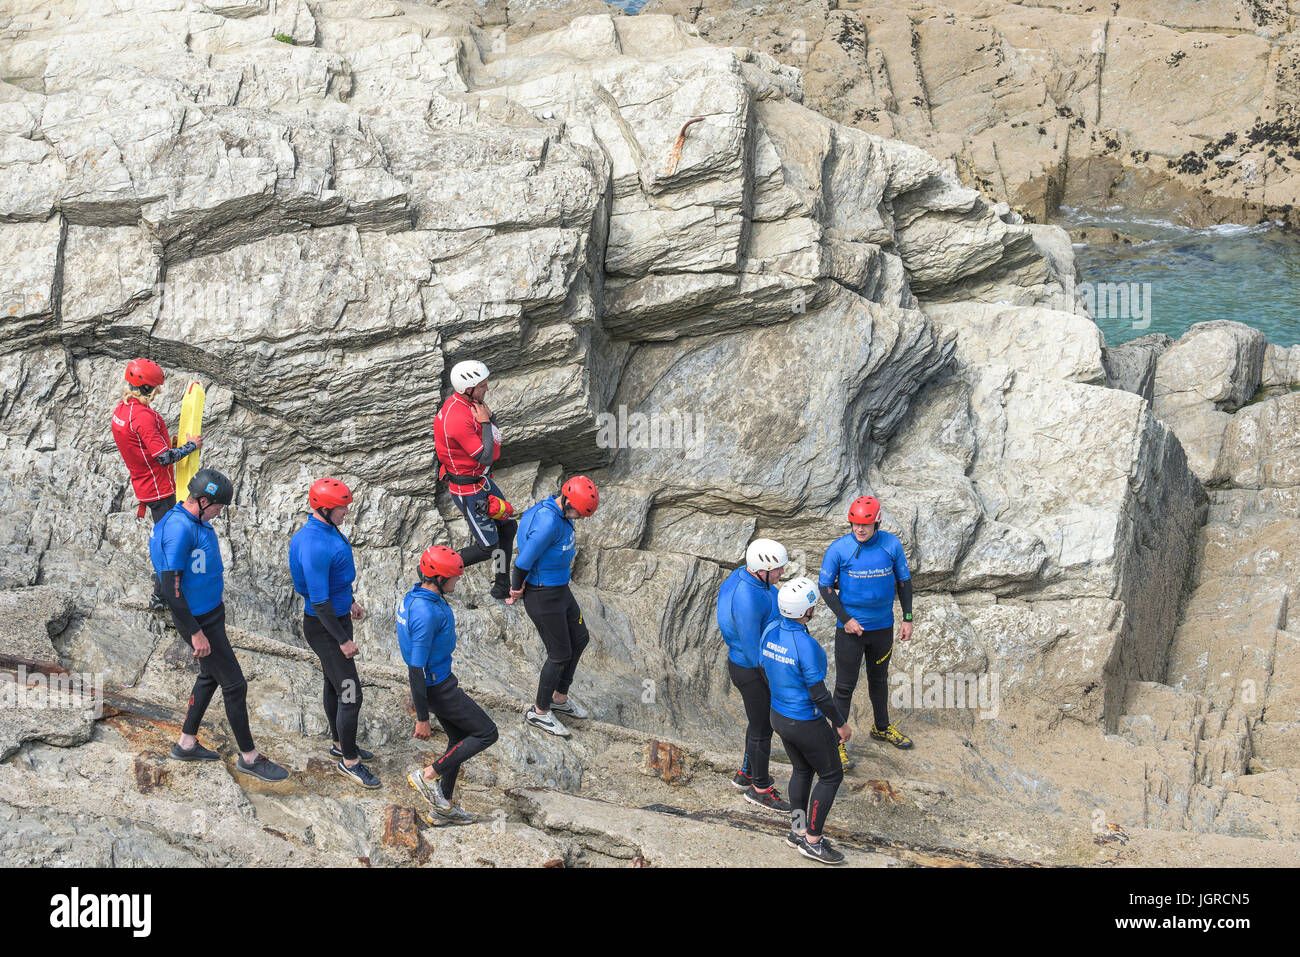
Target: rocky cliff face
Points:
(1184, 108)
(1233, 666)
(734, 326)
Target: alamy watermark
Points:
(77, 910)
(58, 692)
(651, 430)
(1130, 301)
(957, 690)
(1118, 300)
(221, 298)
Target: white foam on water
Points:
(1237, 229)
(1117, 218)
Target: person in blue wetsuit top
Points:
(806, 717)
(541, 577)
(320, 562)
(861, 574)
(187, 560)
(747, 602)
(426, 635)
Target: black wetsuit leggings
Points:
(469, 729)
(875, 649)
(489, 538)
(752, 685)
(555, 612)
(156, 511)
(812, 747)
(342, 684)
(219, 669)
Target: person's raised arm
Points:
(172, 456)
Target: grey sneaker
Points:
(263, 768)
(359, 773)
(196, 753)
(570, 709)
(547, 722)
(458, 815)
(431, 791)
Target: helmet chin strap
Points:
(437, 581)
(324, 514)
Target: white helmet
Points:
(763, 555)
(796, 597)
(467, 374)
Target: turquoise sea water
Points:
(1175, 276)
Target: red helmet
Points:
(439, 561)
(864, 510)
(581, 493)
(329, 493)
(144, 372)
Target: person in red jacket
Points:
(146, 447)
(467, 442)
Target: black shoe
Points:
(362, 753)
(359, 773)
(794, 840)
(263, 768)
(769, 799)
(742, 781)
(196, 753)
(821, 851)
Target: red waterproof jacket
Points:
(459, 439)
(141, 435)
